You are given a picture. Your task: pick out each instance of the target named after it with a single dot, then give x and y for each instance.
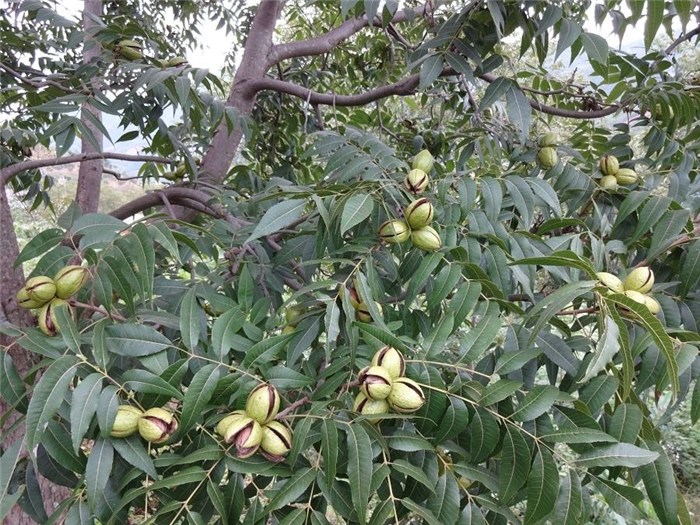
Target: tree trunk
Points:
(11, 280)
(90, 174)
(254, 65)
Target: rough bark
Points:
(254, 65)
(11, 280)
(90, 174)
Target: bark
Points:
(11, 280)
(90, 174)
(254, 65)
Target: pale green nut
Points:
(426, 239)
(276, 441)
(40, 289)
(394, 231)
(222, 425)
(406, 396)
(375, 382)
(416, 181)
(246, 435)
(156, 425)
(608, 182)
(626, 176)
(608, 165)
(126, 421)
(547, 157)
(263, 403)
(391, 360)
(640, 280)
(423, 161)
(370, 407)
(419, 213)
(69, 280)
(611, 281)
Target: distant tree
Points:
(293, 248)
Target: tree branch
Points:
(404, 87)
(14, 169)
(678, 41)
(565, 113)
(188, 197)
(330, 40)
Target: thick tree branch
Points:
(404, 87)
(224, 145)
(174, 194)
(330, 40)
(14, 169)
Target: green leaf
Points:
(544, 310)
(695, 403)
(515, 464)
(198, 394)
(626, 423)
(134, 453)
(666, 231)
(278, 217)
(542, 486)
(292, 489)
(536, 402)
(149, 383)
(650, 215)
(135, 340)
(499, 391)
(359, 468)
(12, 389)
(224, 329)
(569, 507)
(83, 406)
(494, 92)
(512, 361)
(623, 499)
(596, 47)
(561, 258)
(690, 269)
(481, 336)
(642, 314)
(356, 210)
(48, 396)
(424, 513)
(96, 228)
(8, 463)
(454, 421)
(608, 345)
(405, 467)
(520, 114)
(98, 470)
(383, 335)
(107, 406)
(618, 455)
(660, 485)
(40, 244)
(655, 15)
(190, 319)
(430, 70)
(482, 435)
(444, 502)
(578, 435)
(266, 351)
(329, 448)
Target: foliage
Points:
(539, 381)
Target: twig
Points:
(98, 309)
(579, 311)
(14, 169)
